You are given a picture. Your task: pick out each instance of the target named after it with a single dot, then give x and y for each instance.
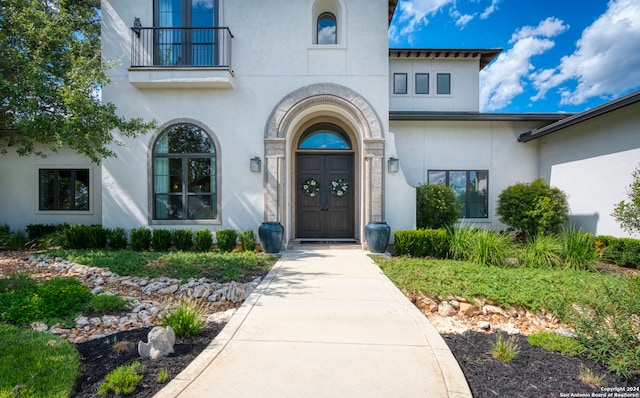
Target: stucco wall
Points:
(19, 204)
(462, 145)
(592, 162)
(273, 55)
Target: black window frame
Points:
(465, 211)
(439, 88)
(323, 16)
(406, 83)
(416, 83)
(72, 197)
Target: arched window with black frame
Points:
(184, 174)
(327, 29)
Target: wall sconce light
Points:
(393, 165)
(255, 164)
(137, 26)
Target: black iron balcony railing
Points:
(181, 47)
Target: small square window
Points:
(444, 83)
(63, 189)
(399, 83)
(422, 83)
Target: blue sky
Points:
(558, 55)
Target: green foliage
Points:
(35, 364)
(533, 208)
(436, 206)
(117, 238)
(187, 318)
(621, 251)
(162, 376)
(24, 301)
(541, 251)
(37, 231)
(578, 249)
(96, 237)
(10, 241)
(75, 237)
(203, 240)
(140, 239)
(183, 239)
(606, 324)
(628, 213)
(590, 378)
(161, 240)
(51, 69)
(421, 243)
(222, 267)
(108, 303)
(555, 342)
(248, 240)
(460, 240)
(505, 350)
(122, 380)
(489, 248)
(226, 239)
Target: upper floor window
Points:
(470, 187)
(184, 32)
(422, 83)
(327, 32)
(399, 83)
(184, 174)
(443, 83)
(63, 189)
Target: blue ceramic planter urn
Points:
(271, 235)
(377, 234)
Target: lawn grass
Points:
(221, 267)
(531, 288)
(36, 364)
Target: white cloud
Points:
(413, 15)
(461, 19)
(606, 61)
(503, 80)
(490, 9)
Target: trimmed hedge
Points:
(421, 243)
(140, 239)
(226, 239)
(203, 240)
(624, 252)
(161, 240)
(183, 239)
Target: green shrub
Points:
(183, 239)
(488, 247)
(122, 380)
(226, 239)
(203, 239)
(37, 231)
(96, 237)
(248, 240)
(541, 251)
(421, 243)
(140, 239)
(460, 239)
(436, 207)
(578, 249)
(631, 253)
(621, 251)
(117, 238)
(505, 350)
(75, 237)
(108, 303)
(534, 208)
(555, 342)
(13, 241)
(187, 318)
(628, 213)
(161, 240)
(162, 376)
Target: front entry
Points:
(325, 196)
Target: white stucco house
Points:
(258, 103)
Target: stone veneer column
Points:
(373, 180)
(274, 180)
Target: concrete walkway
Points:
(324, 323)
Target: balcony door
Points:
(185, 34)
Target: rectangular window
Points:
(422, 83)
(63, 189)
(399, 83)
(471, 189)
(444, 83)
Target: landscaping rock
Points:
(446, 309)
(160, 343)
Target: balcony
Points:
(181, 58)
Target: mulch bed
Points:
(533, 373)
(100, 356)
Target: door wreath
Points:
(339, 187)
(310, 187)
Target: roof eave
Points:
(476, 116)
(486, 55)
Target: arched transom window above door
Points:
(184, 174)
(324, 136)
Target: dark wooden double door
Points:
(324, 215)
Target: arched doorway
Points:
(325, 188)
